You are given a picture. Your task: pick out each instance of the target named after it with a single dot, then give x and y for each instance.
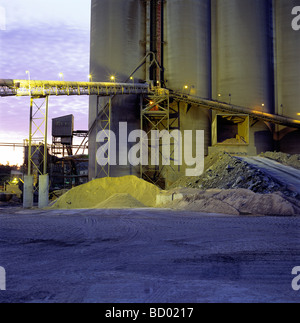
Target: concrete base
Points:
(43, 191)
(28, 192)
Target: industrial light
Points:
(186, 87)
(28, 73)
(113, 78)
(61, 75)
(90, 77)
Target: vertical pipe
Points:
(30, 137)
(159, 38)
(142, 138)
(148, 38)
(46, 139)
(109, 139)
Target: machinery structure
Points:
(227, 67)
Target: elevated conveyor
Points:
(232, 109)
(56, 88)
(39, 88)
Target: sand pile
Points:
(120, 201)
(94, 193)
(234, 202)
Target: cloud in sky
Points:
(46, 38)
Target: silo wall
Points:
(117, 47)
(243, 59)
(187, 58)
(287, 49)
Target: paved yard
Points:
(147, 256)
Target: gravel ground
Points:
(147, 256)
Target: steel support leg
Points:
(37, 151)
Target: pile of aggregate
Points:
(233, 201)
(121, 192)
(223, 171)
(285, 159)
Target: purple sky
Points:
(45, 37)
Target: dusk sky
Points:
(46, 38)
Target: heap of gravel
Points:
(285, 159)
(223, 171)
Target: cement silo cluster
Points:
(239, 52)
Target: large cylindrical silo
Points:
(243, 59)
(244, 51)
(117, 48)
(287, 70)
(187, 58)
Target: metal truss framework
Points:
(37, 143)
(157, 114)
(103, 124)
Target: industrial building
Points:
(238, 53)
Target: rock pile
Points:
(223, 171)
(285, 159)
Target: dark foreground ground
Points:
(147, 256)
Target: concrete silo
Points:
(287, 49)
(117, 47)
(242, 55)
(187, 58)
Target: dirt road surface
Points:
(147, 256)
